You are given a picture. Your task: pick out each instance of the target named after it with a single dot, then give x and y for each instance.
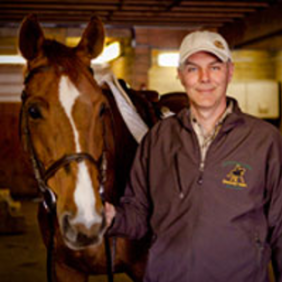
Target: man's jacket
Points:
(220, 223)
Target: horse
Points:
(81, 151)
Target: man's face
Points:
(205, 79)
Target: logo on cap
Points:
(218, 44)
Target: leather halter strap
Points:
(57, 165)
(66, 160)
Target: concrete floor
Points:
(23, 256)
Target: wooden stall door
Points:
(15, 169)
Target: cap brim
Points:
(222, 56)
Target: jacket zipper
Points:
(201, 169)
(202, 162)
(180, 190)
(200, 179)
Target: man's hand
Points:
(110, 213)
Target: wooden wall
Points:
(15, 169)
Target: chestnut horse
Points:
(78, 144)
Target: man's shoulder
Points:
(261, 126)
(171, 122)
(166, 129)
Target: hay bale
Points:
(11, 219)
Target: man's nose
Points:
(204, 75)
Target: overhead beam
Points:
(187, 14)
(68, 2)
(184, 20)
(214, 9)
(55, 17)
(255, 27)
(218, 12)
(73, 20)
(173, 4)
(146, 13)
(61, 6)
(257, 4)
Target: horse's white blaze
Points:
(84, 196)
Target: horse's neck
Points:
(137, 110)
(123, 151)
(124, 143)
(144, 102)
(145, 106)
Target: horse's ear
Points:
(92, 41)
(31, 37)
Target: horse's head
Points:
(63, 125)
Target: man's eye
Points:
(34, 112)
(191, 69)
(216, 67)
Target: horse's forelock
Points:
(55, 50)
(62, 56)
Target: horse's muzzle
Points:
(78, 236)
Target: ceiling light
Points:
(110, 52)
(12, 60)
(168, 59)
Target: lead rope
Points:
(50, 252)
(103, 170)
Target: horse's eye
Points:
(34, 112)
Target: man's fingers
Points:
(110, 213)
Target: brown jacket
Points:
(223, 223)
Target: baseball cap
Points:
(208, 41)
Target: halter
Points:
(42, 176)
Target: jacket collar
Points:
(233, 119)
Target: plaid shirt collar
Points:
(204, 138)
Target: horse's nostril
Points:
(68, 230)
(66, 223)
(83, 239)
(90, 237)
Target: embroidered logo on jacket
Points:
(235, 179)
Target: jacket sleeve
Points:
(132, 217)
(274, 213)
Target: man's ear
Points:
(92, 41)
(180, 76)
(30, 38)
(230, 70)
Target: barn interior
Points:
(143, 37)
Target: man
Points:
(206, 183)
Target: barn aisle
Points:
(23, 256)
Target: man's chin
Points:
(205, 104)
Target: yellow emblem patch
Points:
(218, 44)
(235, 177)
